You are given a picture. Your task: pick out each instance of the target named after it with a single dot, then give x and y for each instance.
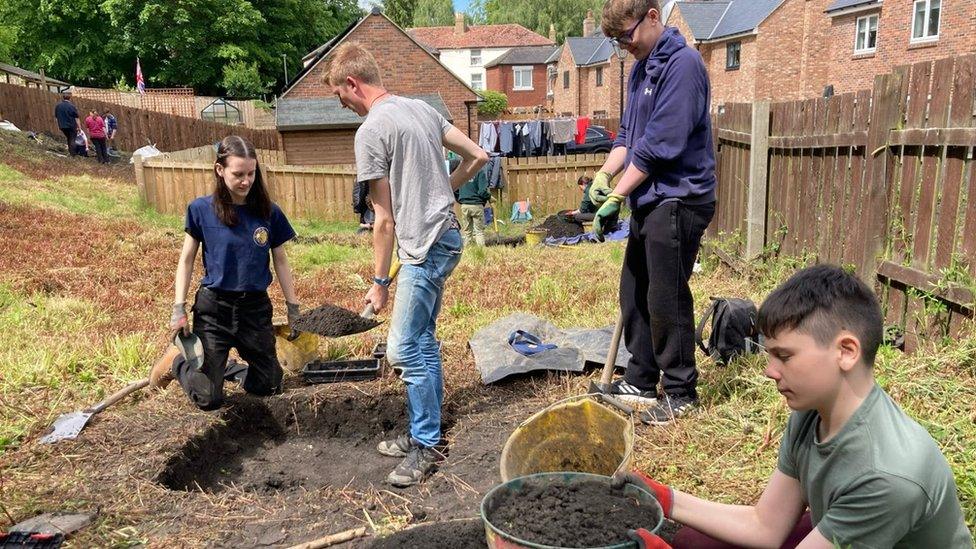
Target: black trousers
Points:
(70, 134)
(231, 319)
(655, 299)
(100, 149)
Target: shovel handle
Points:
(118, 395)
(368, 311)
(608, 366)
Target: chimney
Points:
(460, 27)
(589, 25)
(552, 32)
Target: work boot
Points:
(162, 371)
(668, 409)
(397, 447)
(628, 393)
(419, 463)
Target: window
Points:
(222, 111)
(732, 51)
(599, 76)
(925, 20)
(522, 79)
(477, 81)
(565, 80)
(867, 34)
(475, 58)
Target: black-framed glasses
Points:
(627, 37)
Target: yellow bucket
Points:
(577, 434)
(294, 355)
(587, 226)
(534, 237)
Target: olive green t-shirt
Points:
(880, 482)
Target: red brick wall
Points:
(565, 99)
(732, 86)
(502, 78)
(405, 67)
(847, 72)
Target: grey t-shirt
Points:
(402, 139)
(880, 482)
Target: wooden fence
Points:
(33, 110)
(883, 180)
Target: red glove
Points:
(646, 540)
(663, 493)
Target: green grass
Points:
(305, 258)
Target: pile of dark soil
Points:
(560, 228)
(578, 514)
(460, 534)
(496, 240)
(331, 321)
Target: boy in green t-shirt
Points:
(869, 474)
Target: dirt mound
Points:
(331, 321)
(47, 157)
(569, 515)
(460, 534)
(559, 228)
(265, 445)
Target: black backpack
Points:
(734, 331)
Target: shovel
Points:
(69, 425)
(602, 387)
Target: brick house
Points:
(520, 73)
(314, 127)
(466, 50)
(587, 75)
(868, 37)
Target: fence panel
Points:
(548, 183)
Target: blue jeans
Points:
(412, 345)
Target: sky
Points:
(459, 5)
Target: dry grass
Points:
(83, 303)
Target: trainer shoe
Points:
(628, 393)
(668, 409)
(162, 371)
(419, 463)
(397, 447)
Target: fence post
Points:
(756, 192)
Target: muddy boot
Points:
(416, 467)
(397, 447)
(162, 371)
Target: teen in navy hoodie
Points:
(664, 151)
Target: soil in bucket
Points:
(331, 321)
(578, 514)
(459, 534)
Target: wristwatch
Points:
(385, 282)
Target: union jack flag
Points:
(140, 83)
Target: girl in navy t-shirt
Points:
(241, 232)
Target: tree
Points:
(495, 102)
(433, 13)
(8, 40)
(537, 15)
(243, 80)
(400, 11)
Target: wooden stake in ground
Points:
(332, 539)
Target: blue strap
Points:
(527, 344)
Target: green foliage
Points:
(243, 80)
(537, 15)
(400, 11)
(8, 40)
(185, 43)
(433, 13)
(495, 102)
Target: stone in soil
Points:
(331, 321)
(559, 228)
(577, 514)
(465, 534)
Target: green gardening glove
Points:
(600, 188)
(607, 215)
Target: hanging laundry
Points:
(582, 124)
(489, 137)
(563, 130)
(494, 170)
(506, 135)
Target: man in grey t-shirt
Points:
(399, 150)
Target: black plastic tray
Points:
(30, 540)
(379, 350)
(319, 371)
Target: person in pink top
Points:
(96, 130)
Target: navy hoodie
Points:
(667, 128)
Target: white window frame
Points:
(480, 85)
(925, 24)
(867, 33)
(476, 58)
(516, 85)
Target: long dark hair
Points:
(258, 202)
